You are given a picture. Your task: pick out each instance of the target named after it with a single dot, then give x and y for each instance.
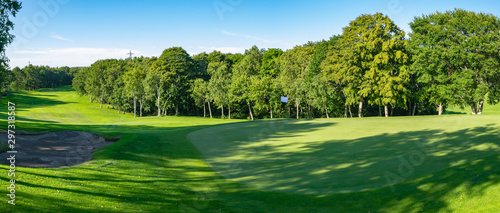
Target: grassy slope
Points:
(158, 169)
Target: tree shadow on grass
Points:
(24, 101)
(159, 169)
(359, 168)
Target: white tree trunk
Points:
(480, 108)
(440, 109)
(360, 111)
(326, 110)
(222, 111)
(473, 108)
(271, 109)
(250, 109)
(209, 109)
(135, 105)
(204, 110)
(141, 102)
(386, 110)
(158, 101)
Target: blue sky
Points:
(79, 32)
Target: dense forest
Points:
(372, 69)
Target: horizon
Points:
(73, 33)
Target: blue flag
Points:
(284, 99)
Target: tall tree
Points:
(175, 69)
(294, 65)
(219, 83)
(456, 56)
(241, 87)
(374, 64)
(199, 92)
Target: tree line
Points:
(372, 69)
(35, 77)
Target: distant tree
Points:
(200, 66)
(270, 62)
(294, 66)
(374, 62)
(456, 57)
(199, 92)
(219, 83)
(175, 69)
(79, 81)
(243, 77)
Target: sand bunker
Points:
(54, 149)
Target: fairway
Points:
(328, 156)
(189, 164)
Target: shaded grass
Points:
(159, 170)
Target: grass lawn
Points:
(321, 165)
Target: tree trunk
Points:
(360, 110)
(135, 106)
(158, 101)
(440, 109)
(209, 109)
(250, 109)
(204, 110)
(326, 110)
(271, 110)
(222, 111)
(177, 109)
(100, 102)
(165, 105)
(141, 102)
(229, 111)
(297, 101)
(409, 107)
(414, 108)
(345, 111)
(350, 113)
(473, 107)
(480, 108)
(386, 110)
(309, 113)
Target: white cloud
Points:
(225, 32)
(66, 56)
(60, 38)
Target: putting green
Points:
(328, 156)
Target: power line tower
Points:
(130, 54)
